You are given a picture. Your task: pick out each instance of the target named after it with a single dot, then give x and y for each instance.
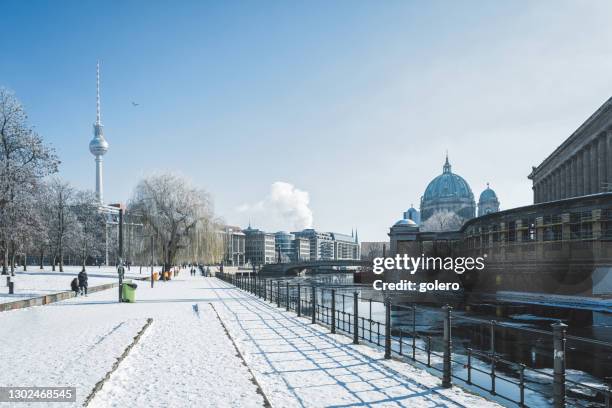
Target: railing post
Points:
(278, 302)
(559, 364)
(355, 318)
(265, 289)
(522, 386)
(414, 334)
(333, 311)
(446, 377)
(492, 335)
(387, 328)
(11, 288)
(298, 306)
(287, 297)
(313, 300)
(469, 366)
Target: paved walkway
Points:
(209, 345)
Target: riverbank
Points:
(187, 355)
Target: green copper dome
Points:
(448, 185)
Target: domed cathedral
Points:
(488, 202)
(448, 192)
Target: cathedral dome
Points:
(405, 221)
(488, 202)
(448, 192)
(448, 185)
(487, 194)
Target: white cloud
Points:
(285, 207)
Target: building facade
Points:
(562, 244)
(284, 246)
(345, 246)
(321, 243)
(301, 249)
(260, 247)
(581, 165)
(234, 245)
(330, 245)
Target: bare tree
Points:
(89, 233)
(173, 211)
(443, 220)
(24, 160)
(62, 224)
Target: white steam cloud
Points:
(285, 207)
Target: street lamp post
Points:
(120, 269)
(152, 280)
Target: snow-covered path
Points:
(301, 365)
(187, 361)
(186, 358)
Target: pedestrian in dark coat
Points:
(74, 285)
(83, 282)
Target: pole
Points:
(333, 310)
(120, 267)
(446, 376)
(355, 318)
(152, 280)
(387, 328)
(298, 306)
(559, 364)
(313, 296)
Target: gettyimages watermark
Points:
(412, 264)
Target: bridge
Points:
(294, 268)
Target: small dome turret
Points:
(488, 202)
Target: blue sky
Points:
(354, 102)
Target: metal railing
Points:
(486, 370)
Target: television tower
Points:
(98, 145)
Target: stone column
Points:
(586, 161)
(594, 167)
(573, 176)
(564, 183)
(603, 177)
(551, 187)
(579, 178)
(609, 157)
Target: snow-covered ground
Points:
(36, 282)
(189, 358)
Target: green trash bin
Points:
(128, 291)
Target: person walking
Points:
(83, 282)
(74, 285)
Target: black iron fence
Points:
(342, 310)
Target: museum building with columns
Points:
(561, 244)
(581, 165)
